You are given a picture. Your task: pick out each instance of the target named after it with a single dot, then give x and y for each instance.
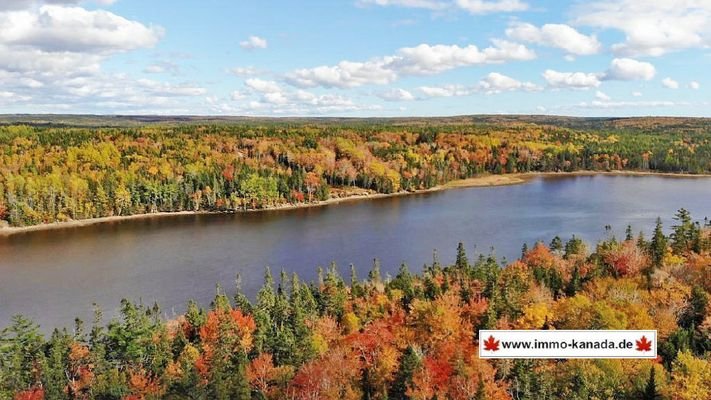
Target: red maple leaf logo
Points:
(643, 344)
(491, 344)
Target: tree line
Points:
(50, 174)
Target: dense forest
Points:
(51, 172)
(411, 336)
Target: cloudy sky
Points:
(356, 57)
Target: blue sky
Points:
(355, 57)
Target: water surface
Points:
(55, 276)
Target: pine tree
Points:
(462, 262)
(628, 233)
(409, 362)
(556, 244)
(681, 236)
(658, 246)
(650, 389)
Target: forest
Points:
(62, 169)
(408, 336)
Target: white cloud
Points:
(555, 35)
(254, 42)
(396, 94)
(651, 28)
(670, 83)
(445, 91)
(427, 59)
(496, 83)
(602, 96)
(471, 6)
(694, 85)
(268, 97)
(574, 80)
(245, 71)
(485, 7)
(637, 94)
(621, 69)
(345, 74)
(627, 69)
(424, 59)
(51, 56)
(74, 29)
(491, 84)
(263, 86)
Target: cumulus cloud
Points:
(74, 29)
(627, 69)
(621, 69)
(574, 80)
(496, 83)
(555, 35)
(396, 94)
(253, 43)
(651, 28)
(262, 97)
(424, 59)
(263, 86)
(51, 53)
(491, 84)
(670, 83)
(694, 85)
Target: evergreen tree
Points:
(628, 233)
(556, 244)
(658, 246)
(462, 262)
(409, 363)
(650, 389)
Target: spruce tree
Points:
(650, 389)
(658, 246)
(462, 262)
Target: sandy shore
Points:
(487, 180)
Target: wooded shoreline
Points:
(487, 180)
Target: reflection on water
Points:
(54, 276)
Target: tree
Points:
(650, 389)
(658, 246)
(462, 262)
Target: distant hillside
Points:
(583, 123)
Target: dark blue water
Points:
(54, 276)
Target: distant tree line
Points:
(50, 174)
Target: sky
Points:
(356, 58)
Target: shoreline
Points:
(486, 180)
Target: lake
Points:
(55, 276)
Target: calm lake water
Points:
(55, 276)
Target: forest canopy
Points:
(121, 166)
